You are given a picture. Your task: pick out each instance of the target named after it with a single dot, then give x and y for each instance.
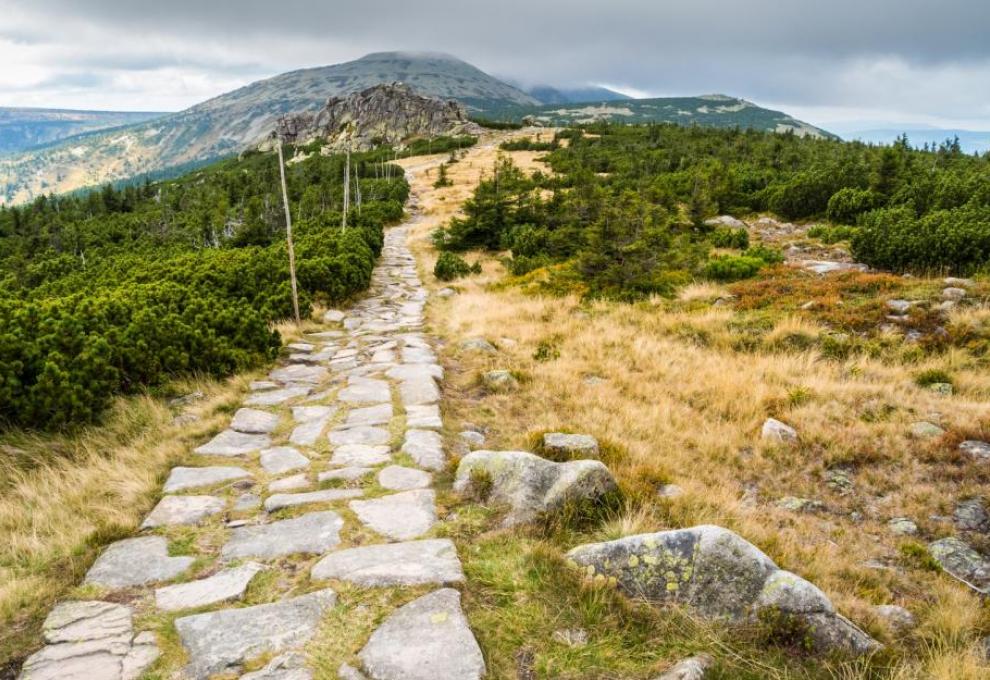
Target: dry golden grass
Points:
(666, 388)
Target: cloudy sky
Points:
(836, 63)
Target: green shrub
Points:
(450, 266)
(733, 267)
(847, 204)
(727, 237)
(832, 234)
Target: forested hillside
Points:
(627, 205)
(115, 290)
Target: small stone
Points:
(176, 510)
(398, 478)
(314, 533)
(333, 316)
(560, 445)
(399, 516)
(253, 421)
(839, 481)
(289, 500)
(360, 455)
(899, 306)
(183, 478)
(282, 459)
(945, 389)
(774, 430)
(473, 440)
(971, 515)
(977, 450)
(669, 491)
(426, 448)
(221, 641)
(427, 639)
(231, 443)
(393, 564)
(347, 474)
(499, 381)
(136, 562)
(899, 619)
(903, 526)
(925, 430)
(446, 293)
(223, 586)
(691, 668)
(478, 345)
(246, 502)
(362, 435)
(796, 504)
(275, 397)
(293, 483)
(954, 294)
(571, 637)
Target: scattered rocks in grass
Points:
(899, 306)
(774, 430)
(903, 526)
(570, 446)
(91, 640)
(282, 459)
(176, 510)
(840, 481)
(289, 500)
(446, 293)
(313, 534)
(232, 443)
(958, 282)
(953, 293)
(183, 478)
(669, 491)
(499, 381)
(399, 516)
(797, 504)
(478, 345)
(721, 576)
(962, 562)
(427, 639)
(691, 668)
(136, 562)
(977, 450)
(531, 485)
(926, 430)
(393, 564)
(223, 640)
(223, 586)
(472, 440)
(254, 421)
(897, 618)
(971, 515)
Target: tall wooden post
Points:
(288, 234)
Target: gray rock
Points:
(293, 483)
(691, 668)
(953, 293)
(308, 433)
(478, 345)
(419, 391)
(304, 347)
(899, 306)
(897, 618)
(183, 478)
(473, 440)
(333, 316)
(903, 526)
(393, 564)
(531, 485)
(415, 372)
(971, 515)
(962, 562)
(136, 562)
(247, 501)
(91, 641)
(379, 414)
(361, 455)
(313, 534)
(925, 430)
(365, 390)
(669, 491)
(418, 355)
(275, 397)
(347, 474)
(253, 421)
(262, 385)
(291, 666)
(367, 436)
(570, 446)
(721, 576)
(223, 586)
(499, 381)
(282, 459)
(398, 478)
(399, 516)
(446, 293)
(424, 417)
(427, 639)
(175, 510)
(289, 500)
(797, 504)
(220, 641)
(426, 448)
(774, 430)
(977, 450)
(300, 373)
(958, 282)
(306, 414)
(726, 221)
(231, 443)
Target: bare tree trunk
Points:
(288, 235)
(347, 191)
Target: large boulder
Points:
(531, 485)
(721, 576)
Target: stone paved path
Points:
(349, 420)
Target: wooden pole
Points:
(288, 235)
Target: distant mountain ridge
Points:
(25, 127)
(575, 95)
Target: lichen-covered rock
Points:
(564, 445)
(961, 561)
(774, 430)
(971, 515)
(499, 381)
(531, 485)
(721, 576)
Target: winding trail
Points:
(326, 470)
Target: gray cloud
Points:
(914, 59)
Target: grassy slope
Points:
(687, 385)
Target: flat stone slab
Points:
(398, 478)
(175, 510)
(89, 640)
(288, 500)
(308, 433)
(393, 564)
(300, 373)
(232, 443)
(399, 516)
(564, 445)
(222, 640)
(347, 474)
(183, 478)
(415, 372)
(282, 459)
(421, 390)
(136, 562)
(314, 533)
(426, 448)
(424, 417)
(380, 414)
(369, 436)
(418, 355)
(305, 414)
(427, 639)
(290, 666)
(254, 421)
(360, 455)
(275, 397)
(293, 483)
(365, 390)
(223, 586)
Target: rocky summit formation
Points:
(382, 114)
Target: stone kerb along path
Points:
(350, 420)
